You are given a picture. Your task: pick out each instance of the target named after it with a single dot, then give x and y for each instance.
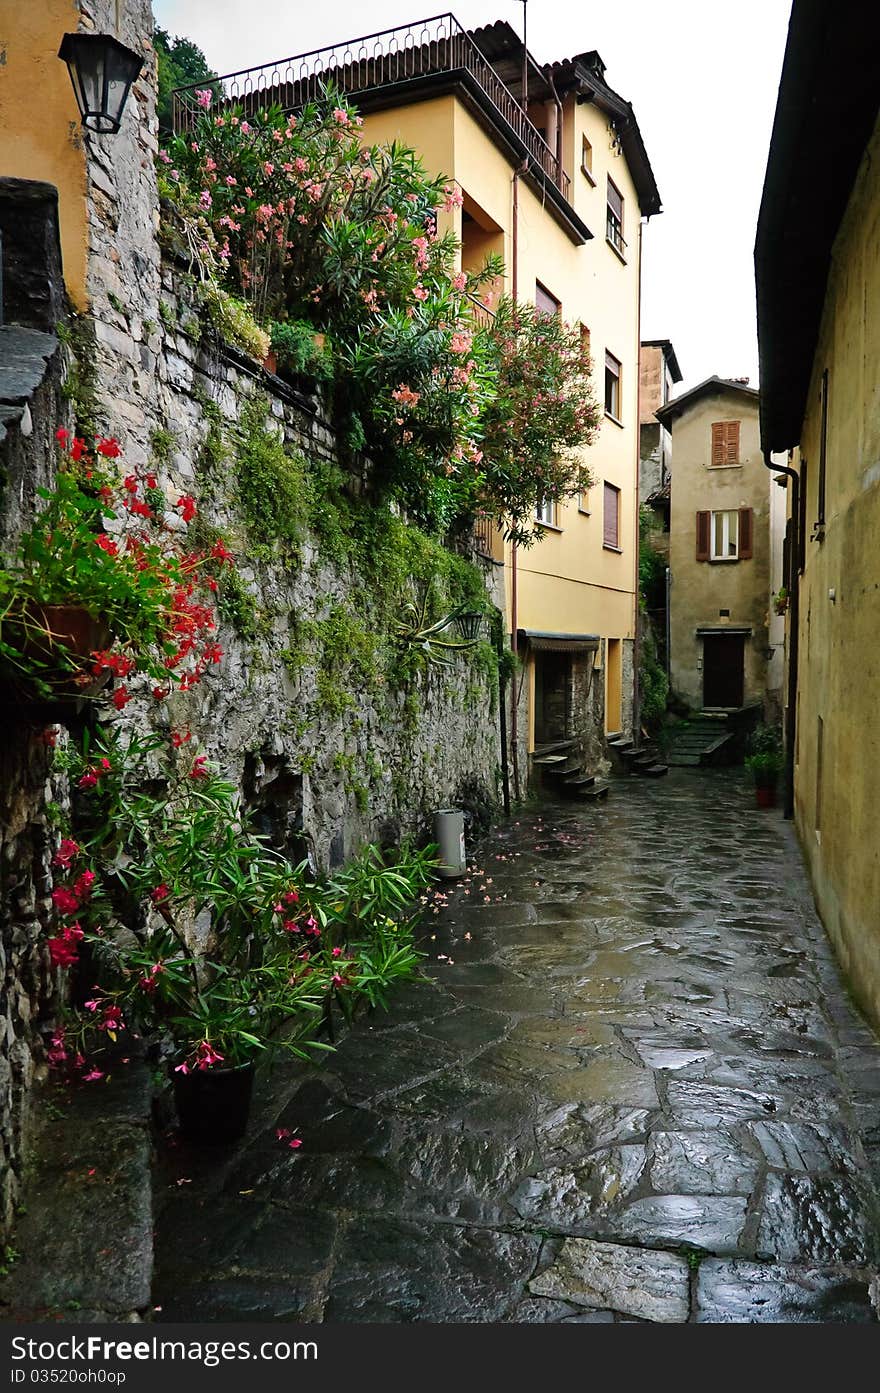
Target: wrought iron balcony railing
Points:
(429, 48)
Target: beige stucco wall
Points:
(40, 134)
(569, 582)
(701, 589)
(839, 664)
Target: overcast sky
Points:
(702, 78)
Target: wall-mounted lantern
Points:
(469, 622)
(102, 70)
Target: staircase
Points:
(562, 772)
(700, 741)
(628, 759)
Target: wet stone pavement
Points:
(633, 1088)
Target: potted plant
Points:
(228, 950)
(765, 761)
(101, 586)
(780, 600)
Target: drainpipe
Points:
(637, 647)
(514, 288)
(794, 562)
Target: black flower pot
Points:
(213, 1105)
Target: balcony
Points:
(387, 65)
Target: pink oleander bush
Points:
(313, 229)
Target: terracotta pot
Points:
(765, 795)
(320, 341)
(213, 1105)
(270, 362)
(50, 637)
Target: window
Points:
(725, 442)
(545, 302)
(725, 535)
(545, 511)
(585, 341)
(587, 159)
(584, 501)
(612, 386)
(611, 525)
(614, 218)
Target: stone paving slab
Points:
(636, 1091)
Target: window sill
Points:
(585, 512)
(617, 252)
(588, 176)
(713, 467)
(615, 419)
(723, 560)
(550, 526)
(606, 546)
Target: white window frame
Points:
(615, 392)
(726, 514)
(545, 512)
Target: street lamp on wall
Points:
(469, 622)
(102, 71)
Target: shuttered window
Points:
(612, 386)
(725, 535)
(545, 302)
(614, 218)
(725, 442)
(611, 520)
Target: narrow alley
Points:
(633, 1088)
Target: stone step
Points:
(683, 760)
(579, 780)
(554, 747)
(654, 771)
(597, 790)
(562, 771)
(549, 761)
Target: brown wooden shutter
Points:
(731, 442)
(704, 522)
(745, 534)
(725, 442)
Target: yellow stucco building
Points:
(560, 194)
(818, 281)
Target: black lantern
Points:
(469, 623)
(102, 71)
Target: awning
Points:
(723, 629)
(559, 643)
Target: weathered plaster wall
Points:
(702, 589)
(40, 133)
(837, 792)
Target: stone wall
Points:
(327, 779)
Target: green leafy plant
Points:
(100, 545)
(765, 758)
(233, 320)
(301, 350)
(228, 949)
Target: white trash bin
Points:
(449, 836)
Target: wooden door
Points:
(552, 697)
(723, 662)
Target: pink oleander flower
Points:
(204, 97)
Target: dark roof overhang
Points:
(585, 76)
(828, 102)
(668, 353)
(712, 386)
(559, 643)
